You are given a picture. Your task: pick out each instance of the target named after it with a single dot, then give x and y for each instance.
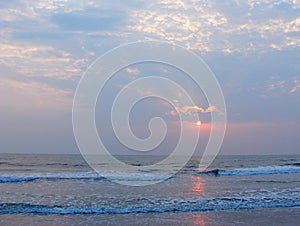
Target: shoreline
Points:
(271, 216)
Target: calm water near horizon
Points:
(46, 187)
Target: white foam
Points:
(261, 170)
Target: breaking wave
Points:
(261, 170)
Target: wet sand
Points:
(276, 216)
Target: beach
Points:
(64, 190)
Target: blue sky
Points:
(252, 46)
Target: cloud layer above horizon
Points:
(252, 46)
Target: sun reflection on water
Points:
(199, 220)
(197, 184)
(198, 190)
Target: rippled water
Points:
(66, 185)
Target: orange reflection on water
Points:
(199, 220)
(197, 185)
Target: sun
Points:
(198, 123)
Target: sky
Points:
(252, 46)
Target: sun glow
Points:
(198, 123)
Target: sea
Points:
(38, 189)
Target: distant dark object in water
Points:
(293, 164)
(136, 164)
(215, 172)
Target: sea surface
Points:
(47, 189)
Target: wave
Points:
(118, 176)
(261, 170)
(156, 206)
(148, 175)
(49, 176)
(57, 164)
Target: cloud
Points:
(48, 46)
(47, 38)
(277, 85)
(296, 86)
(208, 26)
(19, 96)
(40, 60)
(218, 26)
(287, 86)
(189, 110)
(134, 71)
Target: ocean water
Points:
(63, 187)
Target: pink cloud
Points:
(296, 86)
(188, 110)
